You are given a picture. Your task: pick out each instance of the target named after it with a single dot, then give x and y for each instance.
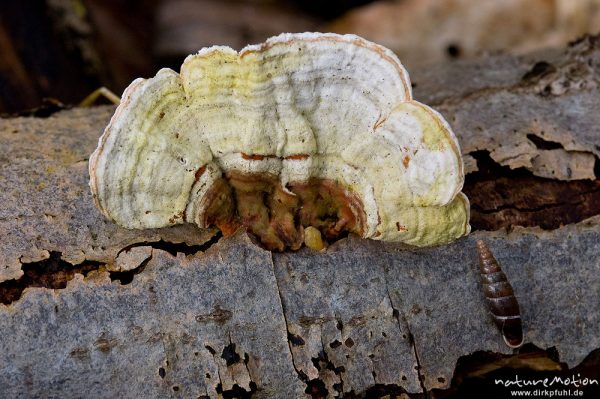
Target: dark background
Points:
(66, 49)
(59, 51)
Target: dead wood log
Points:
(91, 308)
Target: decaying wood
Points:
(528, 133)
(90, 307)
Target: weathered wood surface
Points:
(219, 317)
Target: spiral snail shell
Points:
(500, 297)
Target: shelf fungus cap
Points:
(303, 130)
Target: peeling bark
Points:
(180, 312)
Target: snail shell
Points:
(500, 297)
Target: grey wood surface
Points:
(213, 316)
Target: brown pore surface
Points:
(261, 204)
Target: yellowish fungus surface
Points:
(305, 131)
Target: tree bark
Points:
(92, 308)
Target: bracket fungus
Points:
(305, 130)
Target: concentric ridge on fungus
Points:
(303, 130)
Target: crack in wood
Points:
(502, 197)
(55, 273)
(51, 273)
(176, 247)
(396, 314)
(301, 374)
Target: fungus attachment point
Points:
(283, 218)
(282, 142)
